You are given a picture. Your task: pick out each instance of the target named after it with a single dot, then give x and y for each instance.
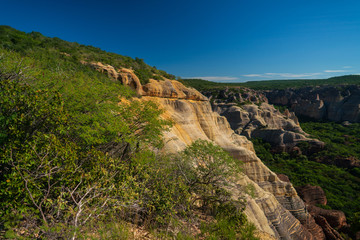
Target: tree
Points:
(49, 179)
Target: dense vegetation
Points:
(34, 43)
(274, 84)
(328, 168)
(341, 185)
(341, 141)
(75, 163)
(201, 84)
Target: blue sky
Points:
(228, 40)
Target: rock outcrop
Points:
(124, 75)
(281, 130)
(328, 220)
(334, 103)
(275, 208)
(330, 233)
(171, 89)
(312, 195)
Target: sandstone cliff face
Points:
(334, 103)
(281, 130)
(124, 75)
(275, 208)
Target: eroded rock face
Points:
(124, 75)
(316, 230)
(282, 131)
(312, 195)
(269, 210)
(334, 103)
(171, 89)
(330, 233)
(329, 220)
(275, 208)
(335, 218)
(283, 177)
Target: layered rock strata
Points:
(281, 130)
(275, 208)
(124, 75)
(334, 103)
(328, 220)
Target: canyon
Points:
(273, 205)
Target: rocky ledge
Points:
(281, 130)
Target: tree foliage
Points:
(342, 188)
(77, 151)
(34, 43)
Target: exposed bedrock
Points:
(312, 195)
(334, 103)
(281, 130)
(329, 220)
(275, 208)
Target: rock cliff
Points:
(281, 130)
(334, 103)
(274, 206)
(250, 115)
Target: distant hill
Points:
(275, 84)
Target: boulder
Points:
(330, 233)
(283, 177)
(335, 218)
(312, 195)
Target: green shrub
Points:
(342, 189)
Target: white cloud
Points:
(215, 78)
(283, 75)
(293, 75)
(252, 75)
(347, 66)
(335, 71)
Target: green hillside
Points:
(77, 156)
(34, 43)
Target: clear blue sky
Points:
(232, 40)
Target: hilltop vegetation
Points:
(201, 85)
(50, 49)
(77, 155)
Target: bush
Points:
(49, 179)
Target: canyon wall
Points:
(275, 208)
(281, 130)
(250, 115)
(334, 103)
